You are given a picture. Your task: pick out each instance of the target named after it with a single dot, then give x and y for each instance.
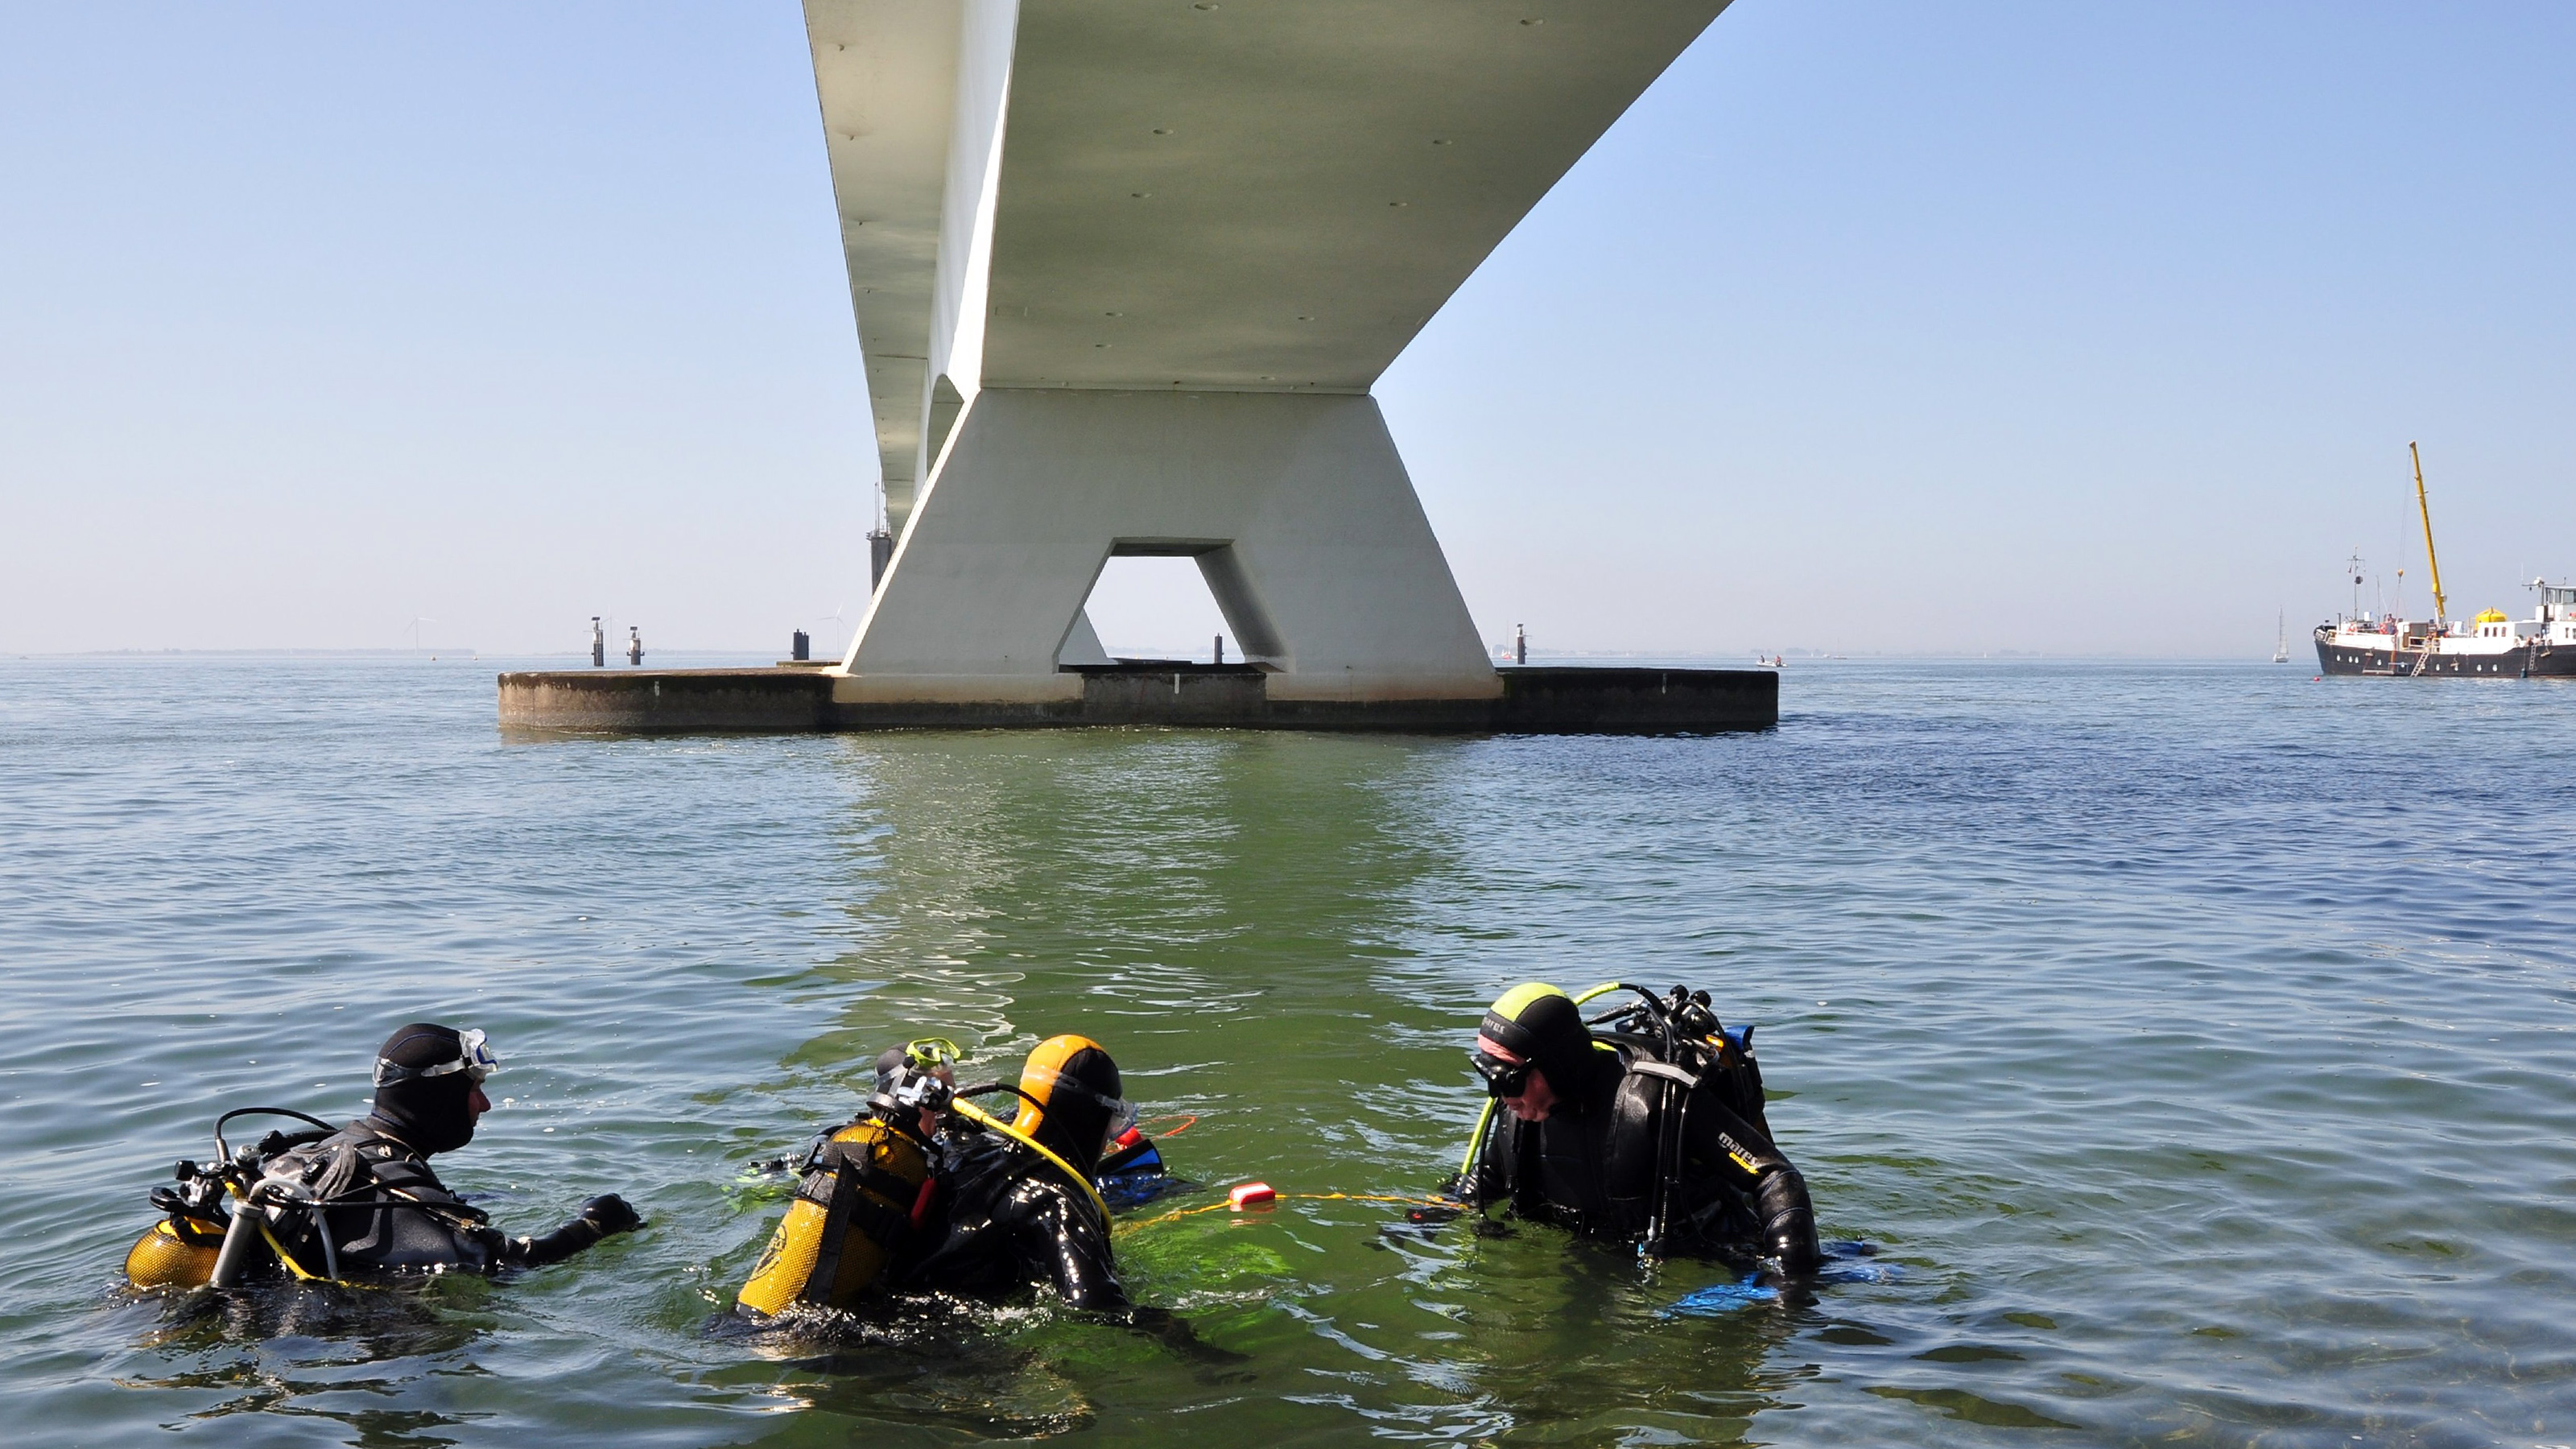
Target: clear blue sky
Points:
(2066, 327)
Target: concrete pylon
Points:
(1125, 272)
(1297, 510)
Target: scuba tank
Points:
(177, 1252)
(859, 1194)
(202, 1239)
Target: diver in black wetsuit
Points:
(1589, 1138)
(1008, 1218)
(370, 1187)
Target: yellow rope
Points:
(1179, 1213)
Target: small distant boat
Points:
(2281, 649)
(2490, 645)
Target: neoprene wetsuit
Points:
(364, 1169)
(1007, 1221)
(1591, 1166)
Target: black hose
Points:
(989, 1088)
(223, 1150)
(1656, 1006)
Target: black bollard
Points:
(799, 647)
(598, 645)
(634, 644)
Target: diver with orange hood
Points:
(926, 1191)
(1020, 1207)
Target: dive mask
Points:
(931, 1053)
(474, 1058)
(1502, 1078)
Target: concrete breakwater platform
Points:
(1533, 700)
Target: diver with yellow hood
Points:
(1643, 1124)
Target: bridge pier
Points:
(1297, 509)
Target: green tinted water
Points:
(2193, 1043)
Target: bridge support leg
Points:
(1296, 507)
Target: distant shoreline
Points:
(663, 657)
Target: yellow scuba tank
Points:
(179, 1252)
(185, 1247)
(854, 1205)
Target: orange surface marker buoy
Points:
(1252, 1194)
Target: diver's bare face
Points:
(1537, 1098)
(476, 1104)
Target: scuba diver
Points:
(1650, 1131)
(1022, 1207)
(925, 1191)
(358, 1200)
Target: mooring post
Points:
(598, 645)
(634, 644)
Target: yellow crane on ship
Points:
(2440, 608)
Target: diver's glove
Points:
(1174, 1332)
(600, 1217)
(1461, 1189)
(610, 1214)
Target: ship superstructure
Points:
(2490, 645)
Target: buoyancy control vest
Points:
(383, 1207)
(1595, 1164)
(860, 1196)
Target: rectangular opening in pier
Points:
(1158, 606)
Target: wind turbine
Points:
(835, 617)
(417, 621)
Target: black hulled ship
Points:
(2490, 646)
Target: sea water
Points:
(2190, 1042)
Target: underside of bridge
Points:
(1125, 272)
